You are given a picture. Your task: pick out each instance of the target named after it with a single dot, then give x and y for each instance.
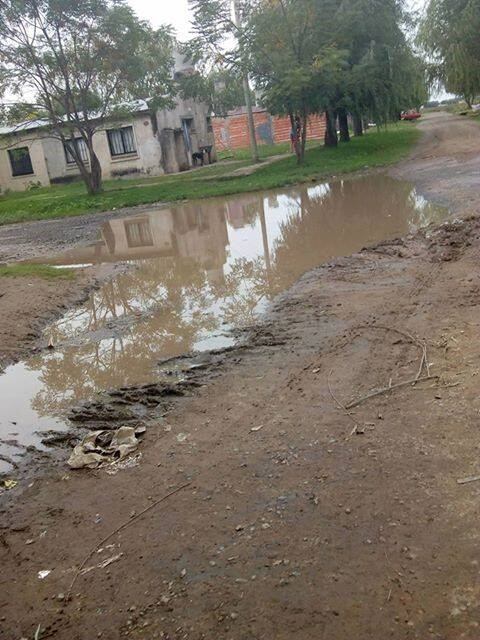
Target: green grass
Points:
(36, 271)
(375, 149)
(264, 151)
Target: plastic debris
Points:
(127, 463)
(104, 446)
(44, 573)
(9, 484)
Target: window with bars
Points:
(121, 141)
(139, 233)
(81, 147)
(20, 161)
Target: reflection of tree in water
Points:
(145, 315)
(174, 303)
(167, 305)
(244, 287)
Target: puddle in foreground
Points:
(201, 269)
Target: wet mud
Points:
(259, 506)
(196, 274)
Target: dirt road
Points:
(302, 518)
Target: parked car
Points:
(411, 114)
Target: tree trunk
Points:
(343, 125)
(95, 181)
(357, 125)
(331, 139)
(296, 141)
(468, 101)
(304, 133)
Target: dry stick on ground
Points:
(340, 405)
(379, 392)
(420, 343)
(423, 360)
(117, 530)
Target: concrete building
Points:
(142, 143)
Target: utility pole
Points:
(246, 88)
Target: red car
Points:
(410, 115)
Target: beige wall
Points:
(147, 159)
(172, 119)
(50, 164)
(40, 172)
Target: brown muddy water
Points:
(199, 269)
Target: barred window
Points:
(20, 161)
(139, 233)
(121, 141)
(81, 147)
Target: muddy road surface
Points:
(314, 481)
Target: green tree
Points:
(294, 59)
(383, 75)
(217, 24)
(450, 34)
(220, 88)
(80, 60)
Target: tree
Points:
(81, 62)
(220, 88)
(215, 23)
(312, 56)
(450, 35)
(294, 59)
(383, 75)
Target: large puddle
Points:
(201, 269)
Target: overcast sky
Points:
(176, 13)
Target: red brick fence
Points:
(231, 132)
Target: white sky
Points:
(174, 12)
(177, 13)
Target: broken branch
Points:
(379, 392)
(117, 530)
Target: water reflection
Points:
(201, 268)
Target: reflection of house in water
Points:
(243, 210)
(189, 232)
(201, 234)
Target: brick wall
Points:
(231, 132)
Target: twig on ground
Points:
(422, 361)
(340, 405)
(420, 343)
(386, 327)
(117, 530)
(469, 479)
(379, 392)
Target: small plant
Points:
(32, 186)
